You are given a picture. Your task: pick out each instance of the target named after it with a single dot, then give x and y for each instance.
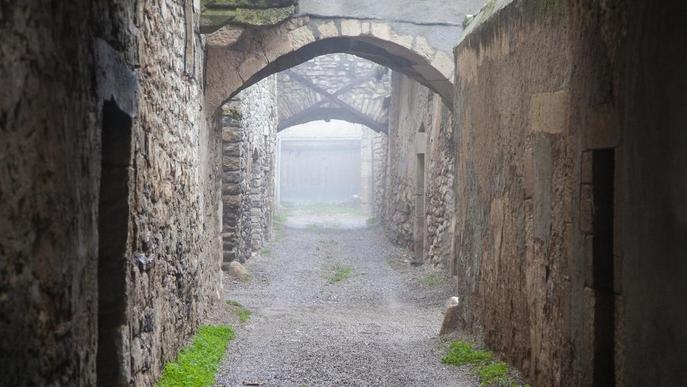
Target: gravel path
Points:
(377, 327)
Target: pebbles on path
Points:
(377, 327)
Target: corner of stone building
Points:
(249, 125)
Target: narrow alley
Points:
(199, 193)
(334, 306)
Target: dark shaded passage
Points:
(603, 165)
(112, 237)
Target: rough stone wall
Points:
(439, 180)
(49, 166)
(409, 101)
(174, 276)
(249, 137)
(60, 64)
(419, 122)
(541, 88)
(379, 170)
(517, 185)
(366, 170)
(373, 167)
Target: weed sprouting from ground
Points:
(495, 373)
(461, 353)
(197, 364)
(491, 372)
(341, 272)
(431, 280)
(372, 221)
(266, 252)
(242, 312)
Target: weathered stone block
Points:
(301, 37)
(328, 30)
(423, 48)
(231, 150)
(550, 112)
(350, 28)
(452, 318)
(381, 30)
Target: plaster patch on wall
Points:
(550, 112)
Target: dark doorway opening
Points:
(113, 217)
(603, 170)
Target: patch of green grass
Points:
(341, 272)
(242, 312)
(431, 280)
(266, 252)
(197, 364)
(461, 353)
(490, 371)
(495, 373)
(372, 221)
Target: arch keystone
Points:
(381, 31)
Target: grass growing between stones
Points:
(242, 312)
(197, 364)
(341, 272)
(490, 371)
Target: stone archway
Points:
(238, 57)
